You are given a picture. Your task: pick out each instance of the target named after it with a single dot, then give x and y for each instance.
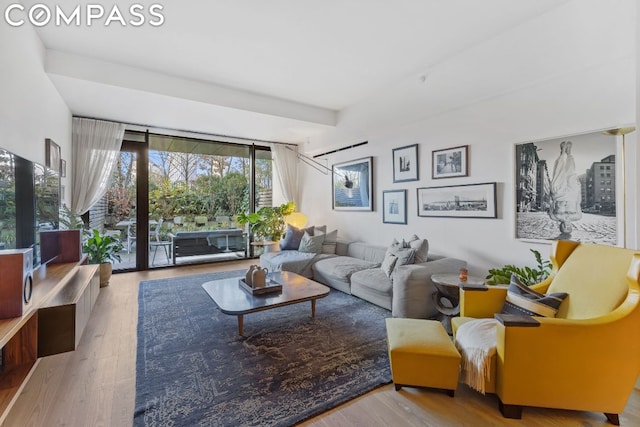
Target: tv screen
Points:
(29, 203)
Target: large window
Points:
(193, 190)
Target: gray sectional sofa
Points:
(355, 269)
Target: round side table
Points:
(447, 296)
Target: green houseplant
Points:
(268, 222)
(527, 275)
(102, 249)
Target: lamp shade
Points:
(296, 219)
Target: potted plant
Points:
(102, 249)
(527, 275)
(268, 222)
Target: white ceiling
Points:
(273, 70)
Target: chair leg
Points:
(510, 411)
(613, 418)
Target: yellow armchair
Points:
(588, 357)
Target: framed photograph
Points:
(450, 163)
(459, 201)
(405, 163)
(569, 188)
(63, 168)
(52, 155)
(352, 184)
(394, 206)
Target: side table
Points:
(447, 296)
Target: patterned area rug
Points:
(193, 369)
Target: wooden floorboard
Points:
(95, 385)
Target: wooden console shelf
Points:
(62, 319)
(19, 335)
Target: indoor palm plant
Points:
(527, 275)
(102, 249)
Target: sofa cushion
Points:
(311, 244)
(342, 267)
(372, 285)
(366, 252)
(523, 300)
(293, 236)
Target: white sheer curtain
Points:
(287, 166)
(96, 147)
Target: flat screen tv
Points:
(29, 203)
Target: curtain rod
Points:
(341, 149)
(213, 135)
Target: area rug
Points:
(193, 369)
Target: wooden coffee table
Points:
(233, 300)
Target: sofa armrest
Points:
(482, 302)
(412, 287)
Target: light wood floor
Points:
(95, 385)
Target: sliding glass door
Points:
(174, 200)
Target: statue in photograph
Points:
(565, 190)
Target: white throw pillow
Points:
(311, 244)
(329, 244)
(389, 263)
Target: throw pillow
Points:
(311, 244)
(404, 255)
(525, 301)
(329, 244)
(389, 263)
(319, 229)
(293, 236)
(421, 247)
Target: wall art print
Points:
(566, 189)
(405, 163)
(352, 185)
(394, 206)
(52, 155)
(459, 201)
(450, 162)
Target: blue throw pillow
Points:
(293, 236)
(523, 300)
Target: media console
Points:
(61, 302)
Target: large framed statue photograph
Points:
(567, 188)
(352, 185)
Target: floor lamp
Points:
(623, 132)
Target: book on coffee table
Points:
(270, 287)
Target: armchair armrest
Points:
(516, 320)
(482, 302)
(412, 287)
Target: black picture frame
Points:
(53, 158)
(352, 185)
(458, 201)
(406, 165)
(394, 206)
(450, 162)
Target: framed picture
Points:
(394, 206)
(569, 188)
(460, 201)
(451, 162)
(52, 155)
(352, 184)
(405, 163)
(63, 168)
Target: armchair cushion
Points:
(525, 301)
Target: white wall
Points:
(569, 71)
(30, 107)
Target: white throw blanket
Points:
(476, 342)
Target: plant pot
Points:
(105, 273)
